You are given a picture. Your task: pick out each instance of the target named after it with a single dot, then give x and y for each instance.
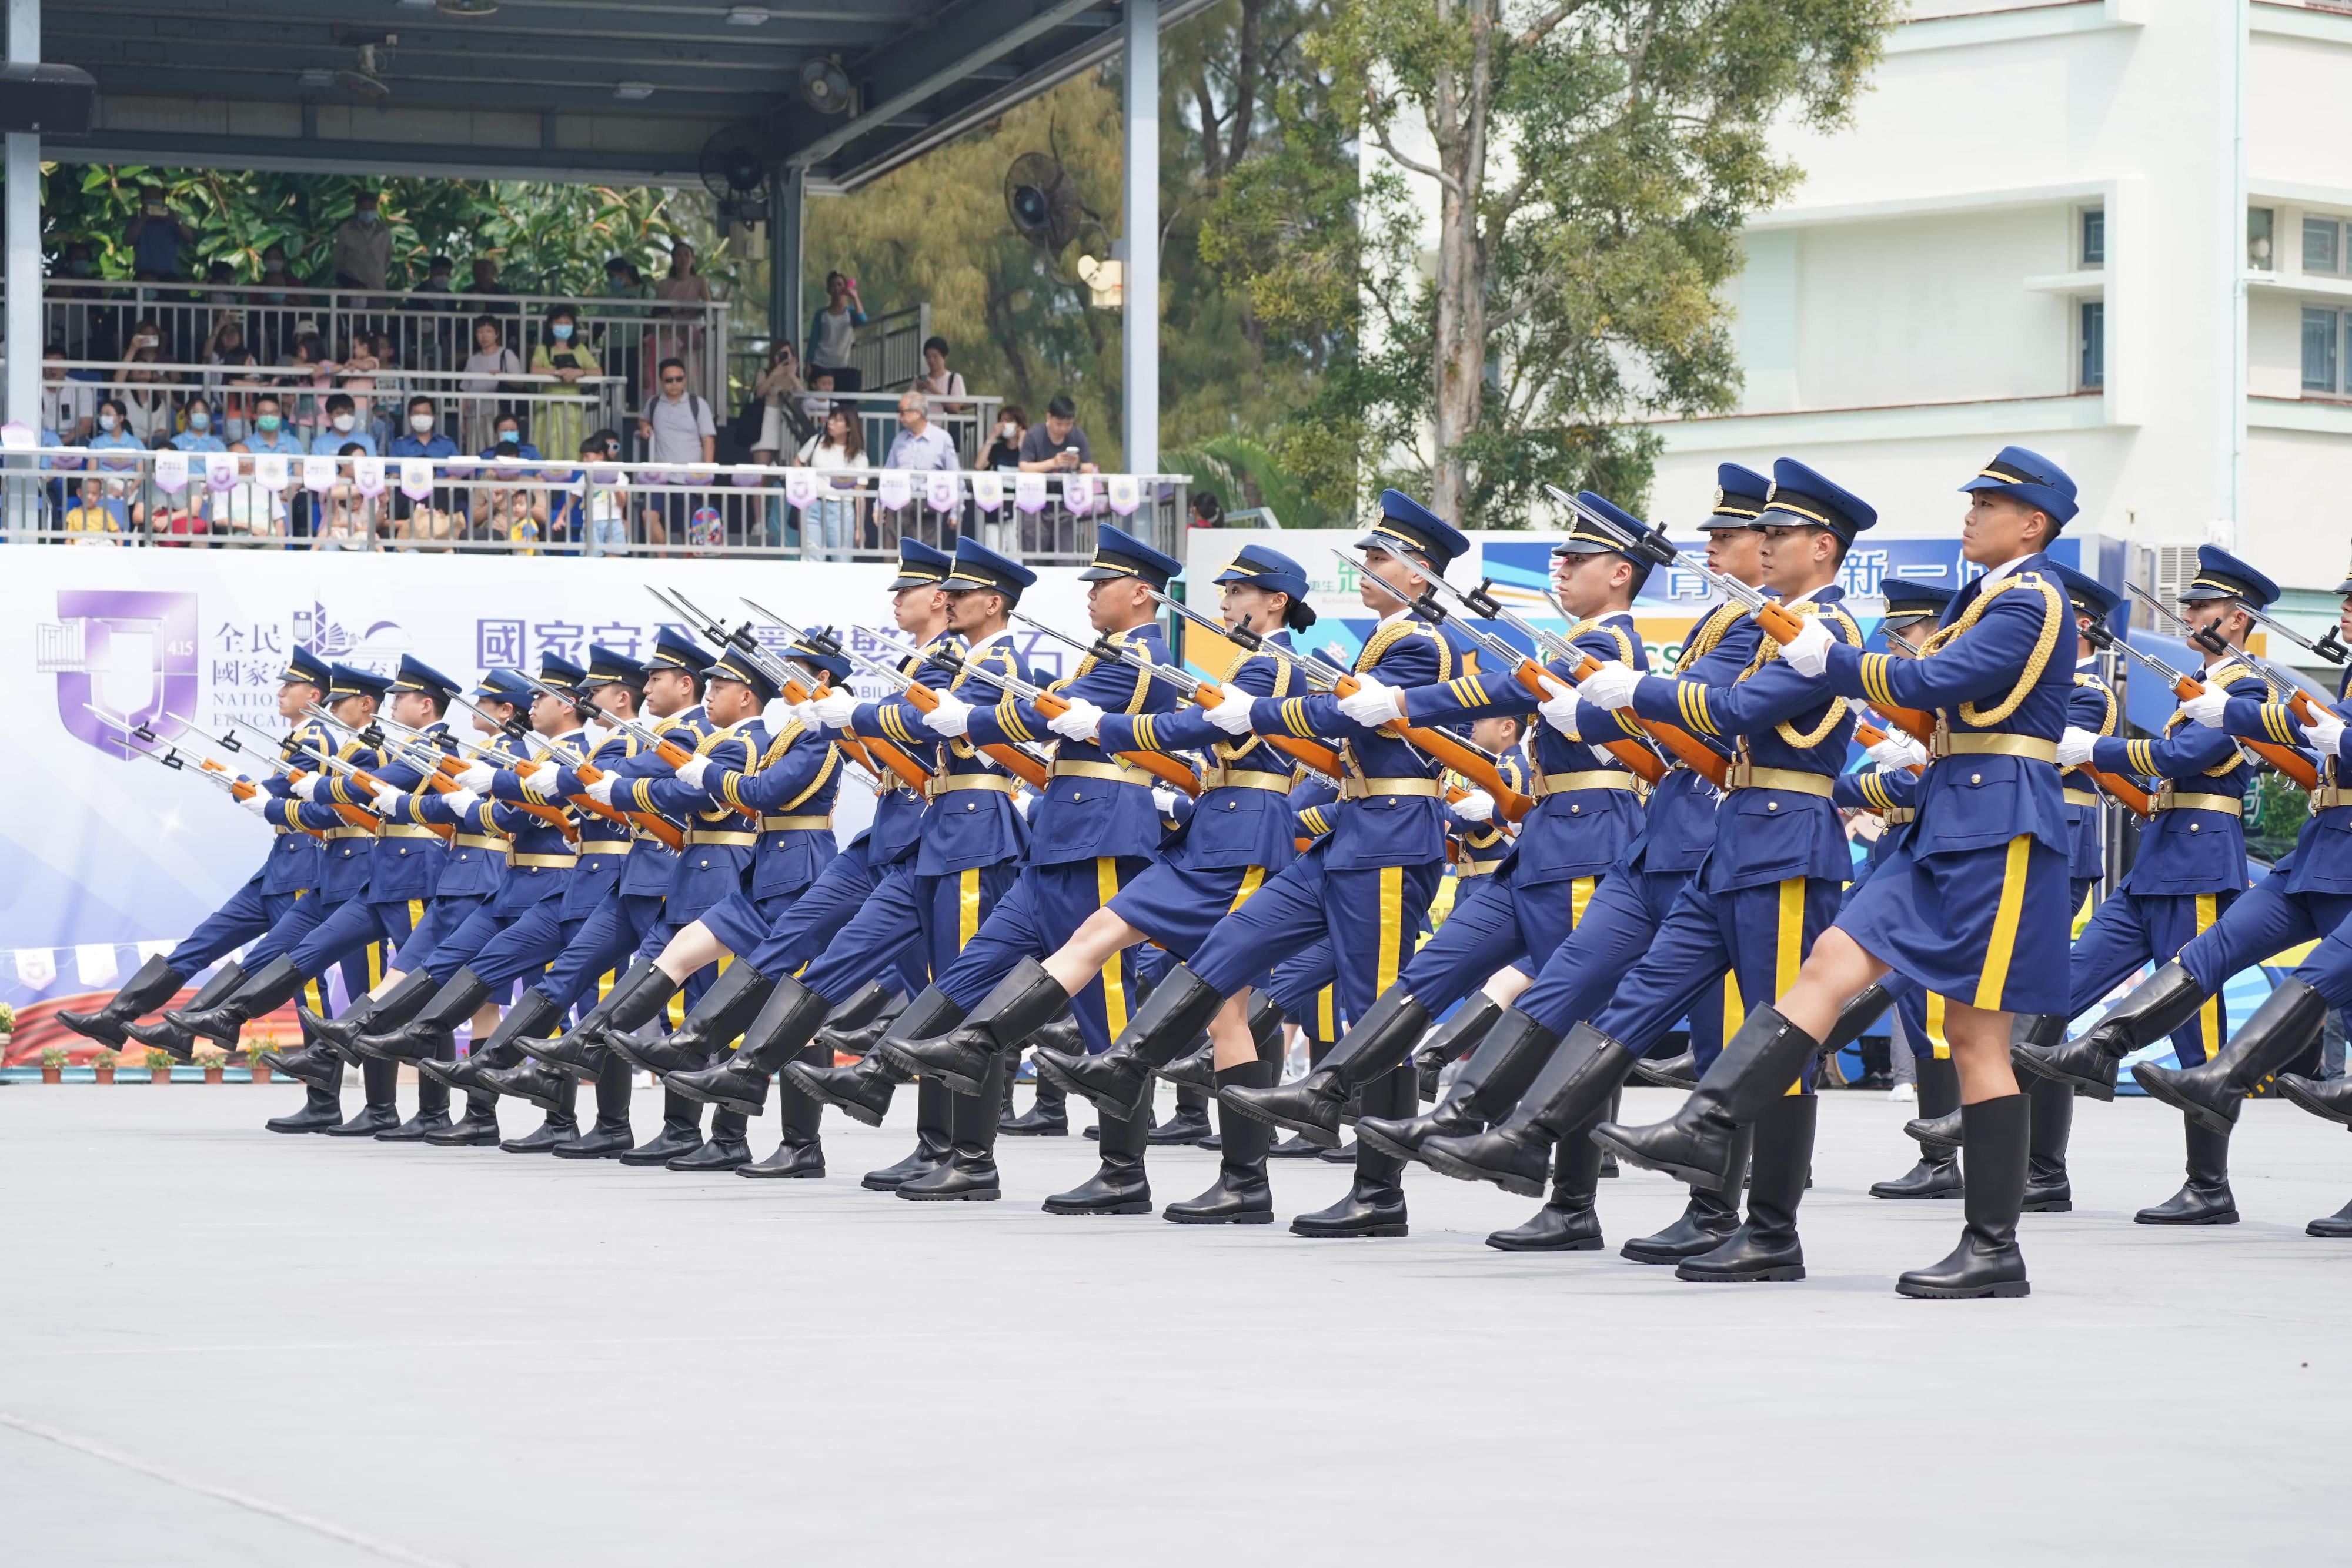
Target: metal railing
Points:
(425, 330)
(130, 497)
(971, 424)
(888, 353)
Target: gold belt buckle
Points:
(1742, 769)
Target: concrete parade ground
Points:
(225, 1347)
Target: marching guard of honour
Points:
(1132, 874)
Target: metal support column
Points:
(787, 193)
(1141, 336)
(24, 236)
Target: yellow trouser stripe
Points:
(604, 983)
(1326, 1027)
(312, 994)
(967, 909)
(1251, 878)
(2003, 943)
(1938, 1047)
(1114, 970)
(2209, 1017)
(1392, 954)
(1789, 945)
(375, 965)
(1735, 1011)
(1579, 893)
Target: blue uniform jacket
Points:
(606, 848)
(653, 865)
(476, 861)
(1083, 815)
(1375, 827)
(794, 789)
(2093, 708)
(897, 827)
(967, 826)
(1242, 817)
(2002, 664)
(1678, 828)
(408, 856)
(2321, 861)
(296, 859)
(719, 842)
(2187, 850)
(1780, 721)
(1581, 826)
(1481, 847)
(349, 857)
(1311, 802)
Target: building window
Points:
(2095, 237)
(2322, 337)
(2258, 238)
(2323, 246)
(2093, 315)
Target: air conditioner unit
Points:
(2163, 570)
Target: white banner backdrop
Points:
(103, 847)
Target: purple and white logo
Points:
(130, 656)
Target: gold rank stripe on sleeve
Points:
(1874, 680)
(1008, 718)
(1466, 691)
(2277, 724)
(1312, 819)
(1690, 699)
(1294, 718)
(2143, 758)
(894, 726)
(1144, 739)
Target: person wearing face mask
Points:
(504, 510)
(563, 355)
(430, 519)
(363, 253)
(155, 235)
(342, 429)
(1005, 452)
(231, 394)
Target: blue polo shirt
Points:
(281, 440)
(409, 447)
(328, 444)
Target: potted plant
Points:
(53, 1064)
(253, 1055)
(7, 1025)
(101, 1066)
(158, 1065)
(215, 1061)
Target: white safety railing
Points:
(125, 496)
(423, 330)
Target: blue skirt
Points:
(1987, 927)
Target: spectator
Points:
(778, 386)
(508, 511)
(813, 403)
(231, 393)
(487, 368)
(363, 252)
(277, 286)
(270, 431)
(147, 409)
(625, 346)
(349, 520)
(920, 444)
(343, 431)
(1058, 446)
(830, 523)
(88, 329)
(249, 512)
(832, 333)
(98, 518)
(69, 407)
(199, 435)
(155, 235)
(486, 278)
(623, 280)
(679, 434)
(937, 380)
(560, 353)
(432, 521)
(356, 375)
(313, 374)
(1208, 511)
(596, 511)
(680, 335)
(1005, 452)
(114, 431)
(439, 272)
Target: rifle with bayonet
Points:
(170, 757)
(547, 751)
(360, 777)
(1320, 761)
(2292, 763)
(1472, 762)
(357, 816)
(2281, 684)
(875, 755)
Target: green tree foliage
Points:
(1533, 268)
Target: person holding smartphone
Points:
(1058, 445)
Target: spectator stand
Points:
(888, 353)
(135, 499)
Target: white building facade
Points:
(2118, 231)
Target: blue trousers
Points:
(1039, 912)
(2133, 930)
(1371, 918)
(503, 948)
(303, 913)
(357, 929)
(600, 945)
(939, 914)
(248, 913)
(444, 918)
(1495, 925)
(1305, 987)
(1617, 925)
(2267, 921)
(808, 925)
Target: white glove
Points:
(693, 772)
(306, 787)
(1165, 798)
(1897, 751)
(2075, 746)
(1475, 807)
(1232, 713)
(1559, 712)
(542, 777)
(461, 799)
(386, 801)
(1808, 651)
(2326, 733)
(476, 776)
(2206, 707)
(601, 791)
(1081, 723)
(257, 803)
(833, 710)
(951, 718)
(1610, 685)
(1373, 703)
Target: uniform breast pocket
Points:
(1982, 796)
(1774, 830)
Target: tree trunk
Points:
(1458, 340)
